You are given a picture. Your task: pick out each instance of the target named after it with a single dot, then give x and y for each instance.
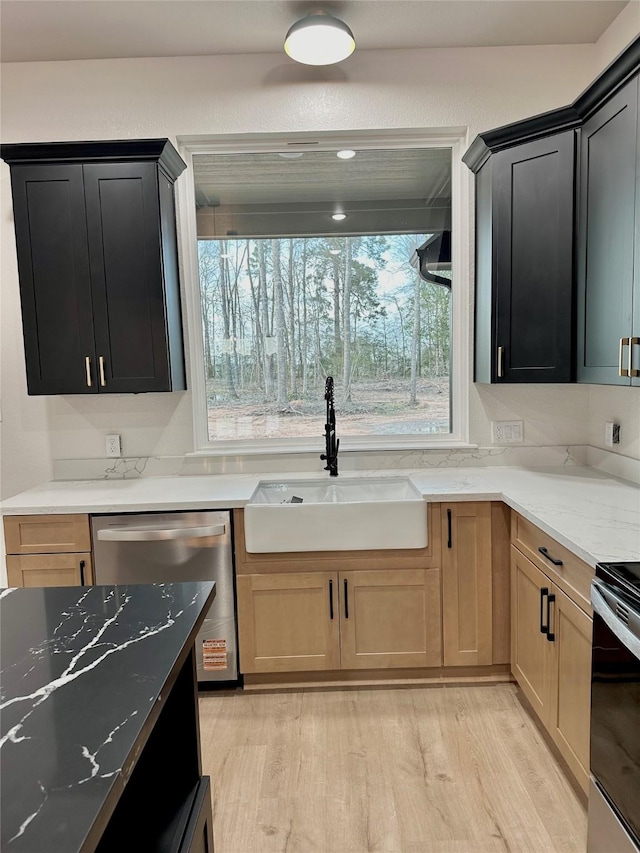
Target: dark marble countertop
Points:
(82, 671)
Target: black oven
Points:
(614, 798)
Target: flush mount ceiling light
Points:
(319, 39)
(345, 154)
(338, 216)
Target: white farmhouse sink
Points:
(336, 515)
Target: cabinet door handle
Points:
(449, 540)
(550, 636)
(624, 342)
(500, 362)
(548, 556)
(544, 593)
(87, 369)
(103, 381)
(633, 342)
(331, 599)
(82, 565)
(346, 600)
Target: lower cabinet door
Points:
(571, 685)
(467, 584)
(49, 570)
(288, 622)
(390, 618)
(531, 652)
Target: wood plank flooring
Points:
(415, 770)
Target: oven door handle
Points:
(603, 599)
(152, 534)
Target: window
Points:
(290, 293)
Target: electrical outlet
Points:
(611, 434)
(113, 445)
(507, 432)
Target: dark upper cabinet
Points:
(97, 262)
(609, 243)
(558, 239)
(524, 263)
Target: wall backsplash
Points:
(193, 465)
(130, 468)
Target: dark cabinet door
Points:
(98, 266)
(607, 236)
(125, 250)
(533, 204)
(53, 265)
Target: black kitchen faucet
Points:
(332, 443)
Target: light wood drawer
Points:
(573, 576)
(46, 534)
(34, 570)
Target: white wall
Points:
(374, 90)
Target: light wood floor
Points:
(415, 770)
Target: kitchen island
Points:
(99, 732)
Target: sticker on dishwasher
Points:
(214, 654)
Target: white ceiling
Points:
(33, 30)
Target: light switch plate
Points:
(507, 432)
(113, 445)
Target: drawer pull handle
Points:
(346, 600)
(550, 636)
(548, 556)
(331, 599)
(449, 541)
(544, 593)
(82, 580)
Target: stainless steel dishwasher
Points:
(170, 547)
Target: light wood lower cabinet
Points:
(288, 622)
(551, 660)
(48, 550)
(467, 583)
(530, 649)
(390, 619)
(49, 569)
(570, 710)
(299, 621)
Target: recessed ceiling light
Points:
(319, 39)
(290, 155)
(339, 216)
(345, 154)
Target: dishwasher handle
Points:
(152, 534)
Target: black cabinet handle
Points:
(548, 556)
(82, 565)
(331, 599)
(449, 545)
(346, 600)
(544, 592)
(551, 637)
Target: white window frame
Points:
(460, 312)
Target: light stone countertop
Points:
(595, 516)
